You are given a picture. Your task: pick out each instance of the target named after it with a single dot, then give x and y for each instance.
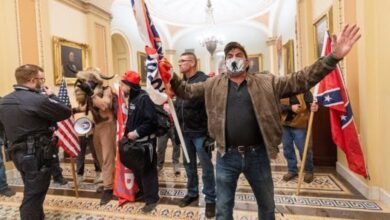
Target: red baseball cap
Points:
(131, 77)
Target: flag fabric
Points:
(153, 48)
(67, 138)
(332, 93)
(125, 186)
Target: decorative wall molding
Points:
(38, 19)
(86, 7)
(370, 192)
(18, 32)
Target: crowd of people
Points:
(238, 110)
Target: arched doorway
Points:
(120, 53)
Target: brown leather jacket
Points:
(265, 90)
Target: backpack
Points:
(163, 122)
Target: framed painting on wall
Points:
(321, 26)
(69, 58)
(255, 63)
(288, 57)
(141, 58)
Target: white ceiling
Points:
(187, 13)
(182, 23)
(175, 19)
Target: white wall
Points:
(67, 22)
(286, 20)
(320, 7)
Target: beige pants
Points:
(104, 140)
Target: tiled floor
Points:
(327, 197)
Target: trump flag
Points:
(125, 186)
(153, 48)
(332, 94)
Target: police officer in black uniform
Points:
(28, 118)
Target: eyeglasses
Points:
(182, 61)
(42, 79)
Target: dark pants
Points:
(56, 170)
(148, 179)
(36, 179)
(195, 147)
(162, 146)
(86, 141)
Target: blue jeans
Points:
(256, 167)
(195, 146)
(297, 136)
(3, 177)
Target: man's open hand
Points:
(342, 44)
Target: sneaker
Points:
(308, 178)
(80, 178)
(187, 200)
(148, 207)
(176, 169)
(61, 181)
(106, 197)
(289, 176)
(210, 210)
(7, 192)
(98, 178)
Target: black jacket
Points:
(141, 114)
(26, 112)
(192, 113)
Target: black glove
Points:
(92, 84)
(85, 87)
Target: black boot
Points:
(210, 210)
(106, 197)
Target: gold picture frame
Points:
(288, 57)
(255, 63)
(141, 60)
(69, 58)
(321, 25)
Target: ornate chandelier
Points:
(210, 40)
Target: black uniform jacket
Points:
(26, 112)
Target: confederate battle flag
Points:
(332, 93)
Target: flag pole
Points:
(307, 140)
(303, 161)
(76, 190)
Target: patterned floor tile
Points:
(63, 207)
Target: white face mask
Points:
(235, 66)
